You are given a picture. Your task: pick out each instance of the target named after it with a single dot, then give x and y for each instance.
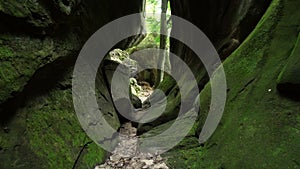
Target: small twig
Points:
(78, 156)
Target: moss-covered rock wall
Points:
(260, 127)
(226, 24)
(39, 43)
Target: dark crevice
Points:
(222, 166)
(226, 10)
(66, 2)
(103, 95)
(252, 18)
(246, 85)
(289, 90)
(13, 24)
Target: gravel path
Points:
(126, 156)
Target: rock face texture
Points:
(226, 24)
(260, 125)
(39, 43)
(36, 33)
(127, 156)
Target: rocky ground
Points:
(146, 91)
(126, 155)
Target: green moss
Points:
(64, 8)
(167, 83)
(5, 53)
(55, 133)
(22, 56)
(255, 131)
(95, 155)
(291, 71)
(14, 8)
(259, 128)
(47, 134)
(8, 76)
(185, 154)
(4, 143)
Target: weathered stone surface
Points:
(226, 24)
(37, 33)
(39, 43)
(259, 125)
(45, 133)
(127, 85)
(21, 56)
(222, 21)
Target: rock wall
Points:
(35, 33)
(226, 24)
(39, 43)
(40, 40)
(222, 21)
(260, 125)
